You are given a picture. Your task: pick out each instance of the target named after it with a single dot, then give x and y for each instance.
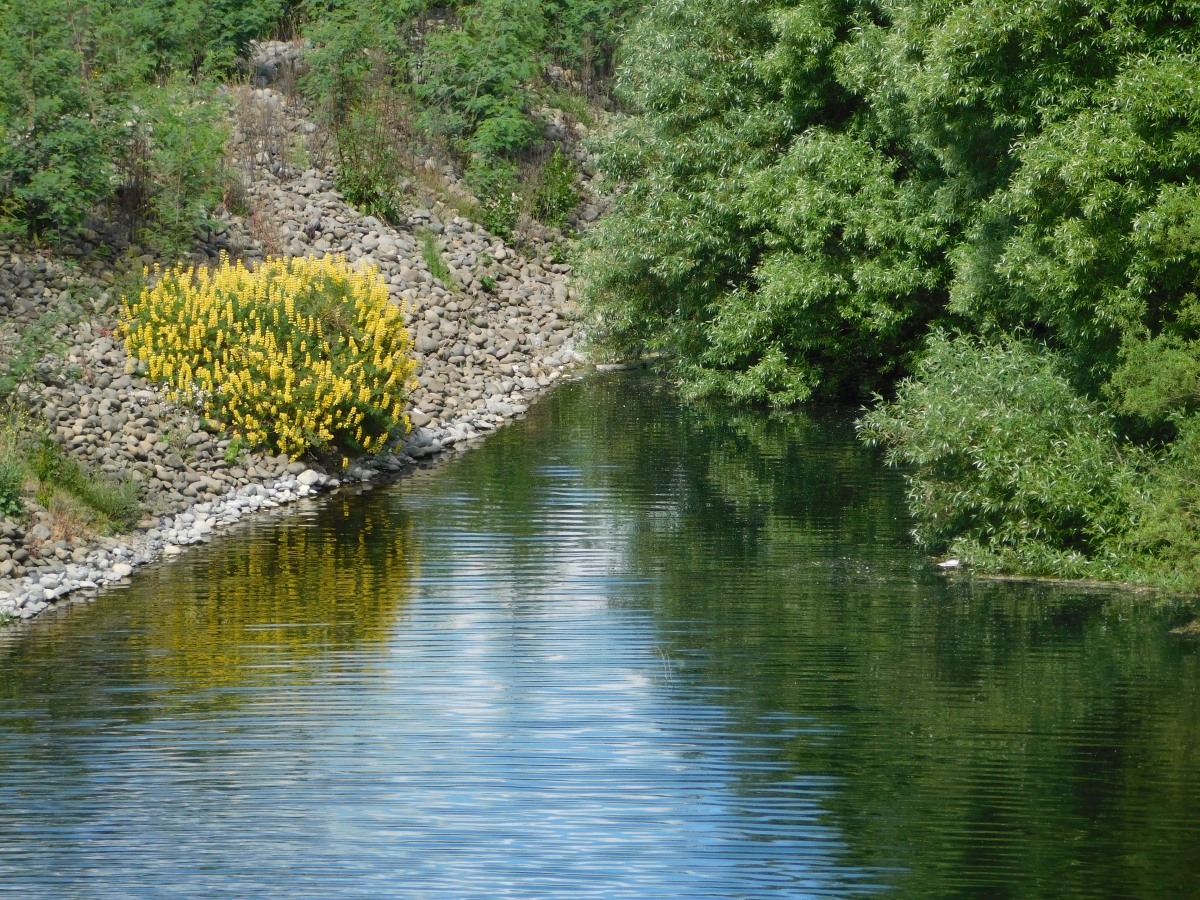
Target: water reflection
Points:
(243, 612)
(624, 650)
(334, 578)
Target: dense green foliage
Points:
(113, 101)
(108, 100)
(780, 232)
(473, 64)
(1010, 466)
(817, 196)
(462, 79)
(812, 183)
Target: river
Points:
(625, 650)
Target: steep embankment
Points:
(493, 328)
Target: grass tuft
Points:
(78, 499)
(432, 254)
(115, 502)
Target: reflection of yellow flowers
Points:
(334, 591)
(295, 353)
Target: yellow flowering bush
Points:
(291, 354)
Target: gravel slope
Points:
(489, 341)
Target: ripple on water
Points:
(621, 650)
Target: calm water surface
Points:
(622, 650)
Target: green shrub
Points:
(370, 186)
(1008, 467)
(1162, 544)
(1158, 378)
(109, 100)
(467, 85)
(496, 184)
(373, 156)
(57, 127)
(296, 353)
(469, 77)
(556, 197)
(182, 134)
(359, 46)
(472, 78)
(584, 35)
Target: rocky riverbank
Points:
(493, 328)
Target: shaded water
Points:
(622, 650)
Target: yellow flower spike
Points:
(251, 340)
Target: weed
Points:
(432, 254)
(497, 184)
(12, 479)
(374, 156)
(232, 451)
(555, 196)
(299, 157)
(69, 519)
(266, 146)
(116, 503)
(573, 103)
(236, 198)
